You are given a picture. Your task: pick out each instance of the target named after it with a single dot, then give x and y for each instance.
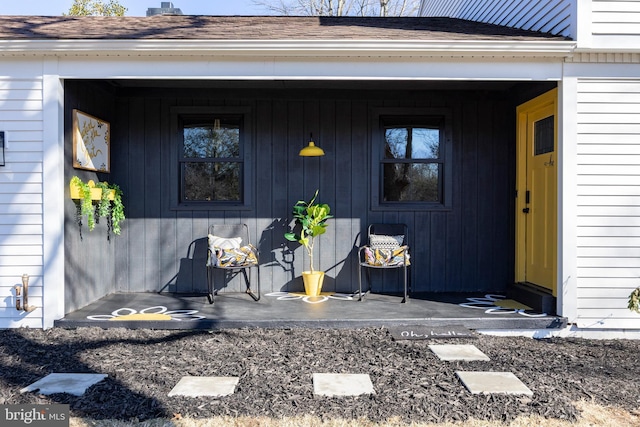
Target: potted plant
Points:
(634, 300)
(311, 218)
(108, 204)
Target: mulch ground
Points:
(276, 366)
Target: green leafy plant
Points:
(311, 219)
(634, 300)
(84, 206)
(117, 209)
(109, 207)
(112, 210)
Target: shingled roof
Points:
(185, 27)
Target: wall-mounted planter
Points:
(96, 192)
(103, 200)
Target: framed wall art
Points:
(91, 142)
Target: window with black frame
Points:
(211, 159)
(413, 162)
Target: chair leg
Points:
(406, 294)
(360, 294)
(248, 283)
(210, 290)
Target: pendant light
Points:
(311, 150)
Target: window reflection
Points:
(412, 165)
(211, 165)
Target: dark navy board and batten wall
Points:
(468, 247)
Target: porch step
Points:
(536, 297)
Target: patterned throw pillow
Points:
(387, 257)
(223, 242)
(380, 241)
(243, 256)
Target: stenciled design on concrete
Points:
(499, 304)
(155, 313)
(324, 296)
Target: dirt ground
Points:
(275, 368)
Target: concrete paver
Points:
(342, 384)
(465, 352)
(493, 382)
(205, 386)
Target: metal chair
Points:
(386, 248)
(231, 251)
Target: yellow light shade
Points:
(311, 150)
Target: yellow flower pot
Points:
(312, 282)
(96, 192)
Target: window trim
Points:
(377, 158)
(246, 154)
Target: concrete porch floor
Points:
(235, 310)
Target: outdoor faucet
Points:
(24, 290)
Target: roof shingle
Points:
(186, 27)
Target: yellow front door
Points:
(536, 203)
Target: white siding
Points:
(21, 188)
(548, 16)
(615, 17)
(610, 25)
(608, 201)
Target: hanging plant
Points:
(84, 205)
(108, 204)
(117, 209)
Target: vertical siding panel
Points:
(295, 140)
(456, 218)
(330, 257)
(360, 158)
(136, 200)
(486, 199)
(121, 147)
(169, 256)
(280, 208)
(346, 279)
(184, 225)
(421, 254)
(438, 251)
(264, 189)
(150, 190)
(470, 191)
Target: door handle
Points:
(525, 210)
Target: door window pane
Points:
(543, 136)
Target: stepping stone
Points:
(205, 386)
(342, 384)
(75, 384)
(493, 382)
(466, 352)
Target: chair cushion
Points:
(382, 241)
(386, 257)
(224, 242)
(244, 256)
